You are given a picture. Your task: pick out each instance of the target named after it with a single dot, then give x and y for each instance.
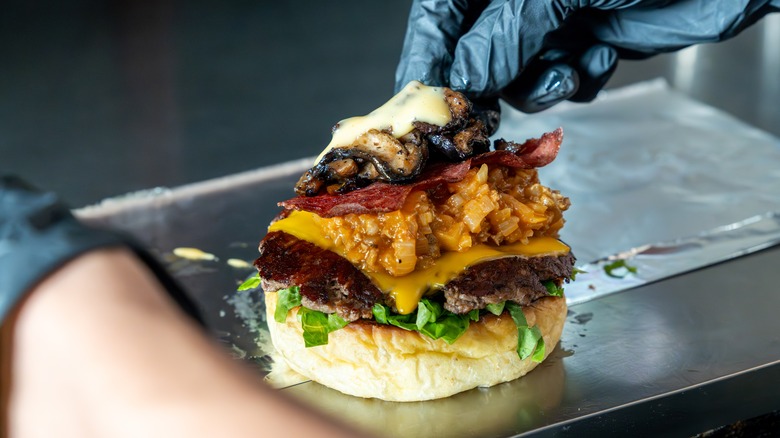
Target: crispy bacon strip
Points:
(379, 196)
(382, 197)
(534, 152)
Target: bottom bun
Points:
(371, 360)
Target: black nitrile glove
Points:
(38, 234)
(536, 53)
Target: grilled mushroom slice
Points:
(377, 155)
(373, 156)
(467, 142)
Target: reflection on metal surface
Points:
(770, 42)
(769, 70)
(685, 68)
(647, 165)
(280, 375)
(514, 406)
(163, 198)
(249, 307)
(655, 262)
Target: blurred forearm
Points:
(101, 350)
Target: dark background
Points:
(101, 98)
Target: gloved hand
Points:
(38, 234)
(536, 53)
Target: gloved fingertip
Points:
(557, 83)
(595, 67)
(428, 73)
(472, 75)
(459, 81)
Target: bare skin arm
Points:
(100, 350)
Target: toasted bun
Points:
(371, 360)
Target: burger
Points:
(418, 260)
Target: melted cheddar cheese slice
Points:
(409, 289)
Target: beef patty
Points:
(329, 283)
(519, 279)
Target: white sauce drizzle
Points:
(414, 103)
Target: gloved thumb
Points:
(595, 66)
(537, 89)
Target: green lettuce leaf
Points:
(383, 315)
(426, 312)
(449, 328)
(529, 339)
(619, 266)
(287, 299)
(553, 289)
(250, 283)
(430, 319)
(576, 271)
(496, 309)
(538, 355)
(317, 325)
